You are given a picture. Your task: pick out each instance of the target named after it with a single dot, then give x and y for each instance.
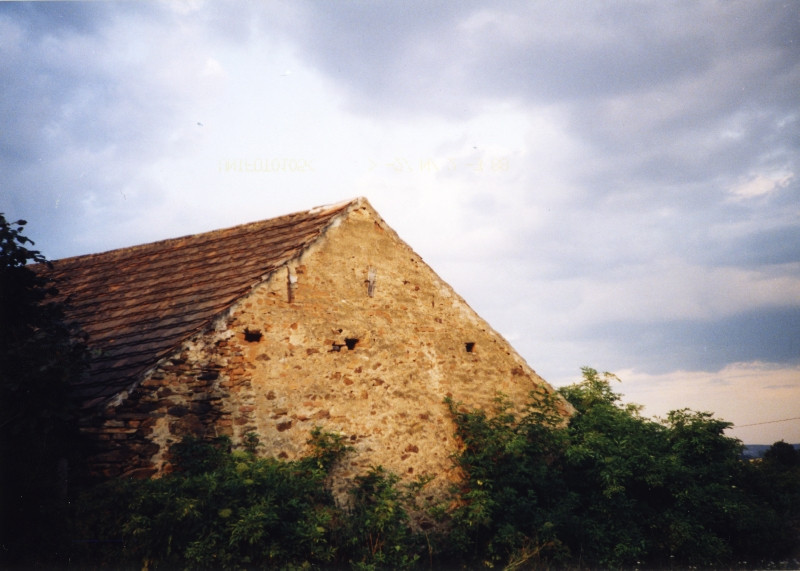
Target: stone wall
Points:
(358, 336)
(184, 395)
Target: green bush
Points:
(513, 496)
(229, 509)
(220, 509)
(608, 489)
(614, 489)
(376, 533)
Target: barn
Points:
(323, 318)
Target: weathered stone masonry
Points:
(356, 335)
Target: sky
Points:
(608, 184)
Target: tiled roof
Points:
(138, 304)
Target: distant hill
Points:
(752, 451)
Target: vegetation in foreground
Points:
(40, 357)
(611, 489)
(614, 489)
(230, 509)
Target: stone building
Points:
(320, 318)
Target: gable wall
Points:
(385, 394)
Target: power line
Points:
(768, 422)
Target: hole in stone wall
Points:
(351, 343)
(252, 336)
(469, 346)
(208, 375)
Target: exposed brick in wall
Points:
(186, 394)
(311, 347)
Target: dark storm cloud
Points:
(767, 335)
(674, 103)
(506, 50)
(548, 52)
(579, 51)
(757, 247)
(61, 18)
(689, 222)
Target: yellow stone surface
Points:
(357, 336)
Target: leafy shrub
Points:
(609, 489)
(614, 489)
(376, 532)
(513, 496)
(229, 509)
(220, 509)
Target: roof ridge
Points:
(134, 291)
(210, 233)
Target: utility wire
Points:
(768, 422)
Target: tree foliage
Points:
(513, 495)
(375, 531)
(40, 357)
(224, 508)
(615, 489)
(608, 489)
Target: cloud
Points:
(751, 393)
(763, 334)
(761, 184)
(92, 97)
(613, 185)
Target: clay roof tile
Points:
(139, 304)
